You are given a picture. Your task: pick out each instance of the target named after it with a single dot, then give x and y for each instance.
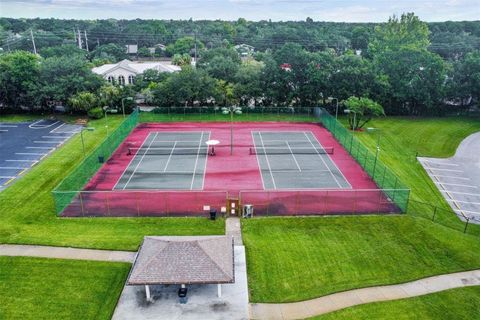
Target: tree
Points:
(408, 32)
(181, 59)
(220, 63)
(362, 110)
(184, 45)
(247, 85)
(83, 101)
(19, 72)
(62, 77)
(110, 51)
(61, 51)
(465, 80)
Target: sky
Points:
(318, 10)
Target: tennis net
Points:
(167, 151)
(291, 150)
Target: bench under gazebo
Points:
(183, 260)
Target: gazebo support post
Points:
(147, 293)
(219, 290)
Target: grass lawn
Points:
(37, 288)
(402, 137)
(28, 216)
(293, 259)
(455, 304)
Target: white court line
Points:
(455, 184)
(141, 159)
(196, 161)
(466, 193)
(169, 157)
(450, 170)
(30, 153)
(442, 176)
(258, 161)
(295, 159)
(40, 148)
(320, 156)
(268, 162)
(469, 202)
(441, 163)
(168, 172)
(286, 171)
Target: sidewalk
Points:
(341, 300)
(233, 227)
(66, 253)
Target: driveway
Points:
(458, 178)
(202, 303)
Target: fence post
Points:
(434, 213)
(81, 203)
(383, 178)
(394, 189)
(466, 225)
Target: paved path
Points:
(233, 227)
(66, 253)
(458, 177)
(341, 300)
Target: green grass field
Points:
(37, 288)
(402, 138)
(294, 259)
(455, 304)
(28, 215)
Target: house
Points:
(244, 49)
(125, 71)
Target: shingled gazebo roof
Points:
(183, 260)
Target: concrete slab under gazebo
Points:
(183, 260)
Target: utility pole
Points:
(79, 39)
(98, 42)
(195, 37)
(33, 42)
(74, 35)
(86, 39)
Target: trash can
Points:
(101, 159)
(182, 294)
(213, 214)
(247, 211)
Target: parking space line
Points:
(35, 126)
(469, 202)
(53, 137)
(443, 164)
(45, 142)
(451, 170)
(455, 184)
(8, 126)
(7, 177)
(442, 176)
(29, 153)
(21, 160)
(465, 193)
(1, 130)
(40, 147)
(12, 168)
(22, 172)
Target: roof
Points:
(184, 260)
(136, 67)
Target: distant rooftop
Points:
(136, 67)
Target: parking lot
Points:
(458, 178)
(24, 144)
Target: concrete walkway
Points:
(341, 300)
(233, 227)
(65, 253)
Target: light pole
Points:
(371, 129)
(336, 115)
(231, 110)
(106, 119)
(81, 136)
(348, 111)
(123, 105)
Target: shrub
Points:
(95, 113)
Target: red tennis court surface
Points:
(280, 184)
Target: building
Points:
(125, 71)
(245, 50)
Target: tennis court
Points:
(297, 161)
(167, 160)
(281, 168)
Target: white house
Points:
(125, 71)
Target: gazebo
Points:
(183, 260)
